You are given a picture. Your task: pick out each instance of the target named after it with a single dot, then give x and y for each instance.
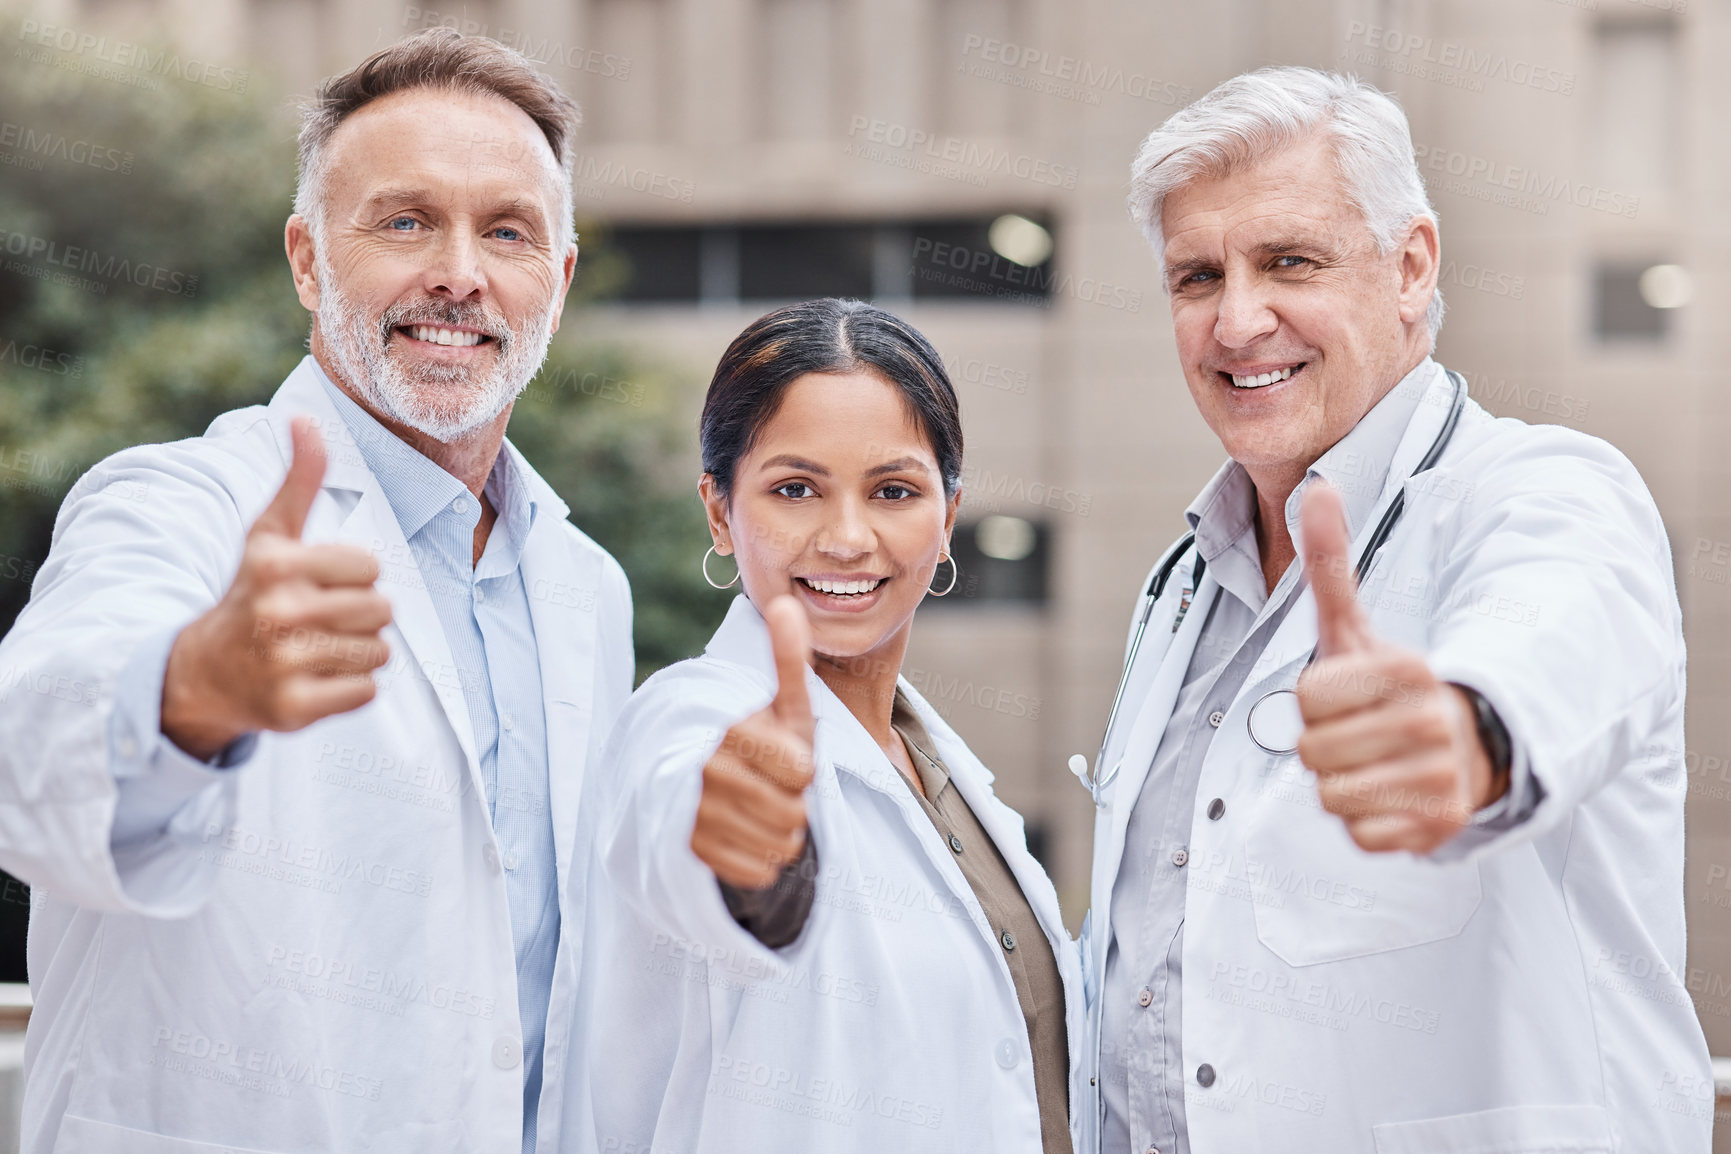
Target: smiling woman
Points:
(924, 967)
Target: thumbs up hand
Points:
(295, 638)
(751, 818)
(1396, 751)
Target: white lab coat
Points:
(319, 957)
(891, 1023)
(1521, 995)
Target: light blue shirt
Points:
(484, 609)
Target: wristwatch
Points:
(1493, 735)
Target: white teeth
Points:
(1261, 379)
(843, 587)
(441, 336)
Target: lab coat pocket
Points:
(80, 1135)
(1320, 898)
(1511, 1130)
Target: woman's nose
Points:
(848, 536)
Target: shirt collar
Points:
(1224, 513)
(934, 775)
(1357, 465)
(419, 490)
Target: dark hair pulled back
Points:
(829, 335)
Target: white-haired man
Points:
(1396, 785)
(300, 824)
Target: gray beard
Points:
(445, 402)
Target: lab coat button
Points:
(490, 854)
(1215, 718)
(955, 843)
(1180, 856)
(1145, 998)
(128, 747)
(1005, 1053)
(507, 1052)
(1205, 1075)
(1215, 809)
(1008, 939)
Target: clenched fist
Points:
(1396, 751)
(751, 819)
(295, 638)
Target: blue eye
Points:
(1296, 261)
(514, 234)
(402, 221)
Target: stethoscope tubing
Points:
(1384, 528)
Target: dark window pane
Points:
(1619, 310)
(794, 263)
(955, 259)
(662, 263)
(1016, 573)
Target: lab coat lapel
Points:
(564, 591)
(371, 525)
(1147, 718)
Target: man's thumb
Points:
(287, 512)
(1341, 625)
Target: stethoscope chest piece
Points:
(1275, 722)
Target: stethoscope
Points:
(1274, 721)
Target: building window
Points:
(1633, 301)
(1637, 110)
(794, 262)
(998, 559)
(802, 44)
(630, 80)
(1006, 258)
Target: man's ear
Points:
(565, 282)
(1420, 265)
(303, 263)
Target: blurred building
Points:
(965, 162)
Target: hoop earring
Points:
(955, 572)
(711, 580)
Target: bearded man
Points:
(280, 751)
